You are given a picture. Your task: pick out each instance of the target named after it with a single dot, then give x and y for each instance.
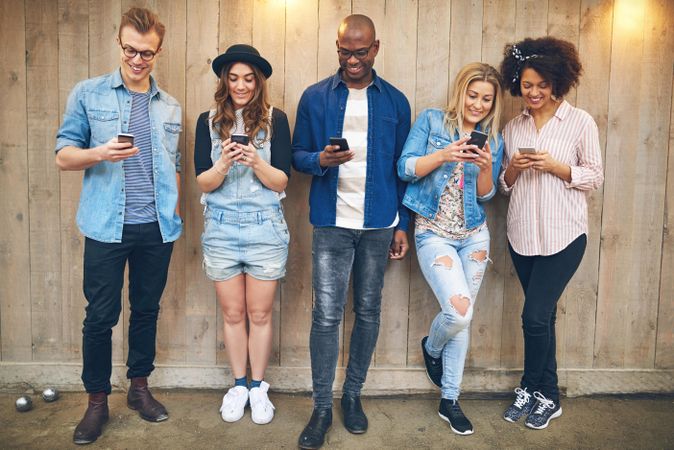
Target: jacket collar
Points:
(337, 80)
(116, 81)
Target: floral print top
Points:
(449, 221)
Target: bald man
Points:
(356, 210)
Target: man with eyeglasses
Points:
(128, 211)
(356, 210)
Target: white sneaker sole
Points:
(232, 419)
(462, 433)
(545, 425)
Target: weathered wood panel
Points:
(15, 296)
(616, 312)
(43, 179)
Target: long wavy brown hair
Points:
(255, 113)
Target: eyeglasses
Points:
(130, 52)
(359, 54)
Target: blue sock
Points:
(255, 383)
(241, 382)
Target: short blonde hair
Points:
(454, 112)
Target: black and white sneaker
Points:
(450, 411)
(522, 406)
(433, 365)
(544, 411)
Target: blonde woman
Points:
(449, 180)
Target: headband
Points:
(520, 58)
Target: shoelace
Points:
(260, 398)
(522, 397)
(543, 403)
(231, 396)
(456, 408)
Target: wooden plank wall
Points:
(617, 314)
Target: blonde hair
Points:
(454, 112)
(255, 113)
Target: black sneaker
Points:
(544, 411)
(433, 365)
(451, 412)
(522, 406)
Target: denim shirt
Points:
(97, 110)
(422, 196)
(320, 115)
(241, 191)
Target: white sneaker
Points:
(261, 409)
(233, 403)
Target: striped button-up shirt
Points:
(547, 213)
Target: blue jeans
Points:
(454, 269)
(336, 253)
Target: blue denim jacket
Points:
(429, 135)
(320, 115)
(97, 110)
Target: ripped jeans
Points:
(454, 270)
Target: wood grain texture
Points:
(15, 276)
(580, 299)
(200, 303)
(302, 44)
(616, 317)
(43, 179)
(73, 57)
(401, 35)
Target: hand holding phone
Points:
(341, 142)
(527, 150)
(477, 138)
(124, 138)
(242, 139)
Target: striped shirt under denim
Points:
(546, 213)
(138, 176)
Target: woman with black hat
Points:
(242, 160)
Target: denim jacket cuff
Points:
(410, 169)
(487, 196)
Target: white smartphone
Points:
(527, 150)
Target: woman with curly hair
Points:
(242, 161)
(552, 160)
(449, 181)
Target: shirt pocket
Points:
(103, 124)
(171, 136)
(387, 132)
(436, 142)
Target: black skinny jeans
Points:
(104, 264)
(543, 280)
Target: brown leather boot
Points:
(140, 399)
(91, 425)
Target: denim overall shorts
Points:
(244, 227)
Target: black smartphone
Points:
(125, 137)
(242, 139)
(343, 144)
(477, 138)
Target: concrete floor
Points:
(409, 422)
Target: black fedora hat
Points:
(242, 53)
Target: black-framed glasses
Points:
(130, 52)
(359, 54)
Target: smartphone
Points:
(125, 137)
(242, 139)
(527, 150)
(343, 144)
(477, 138)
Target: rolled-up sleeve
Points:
(74, 130)
(414, 148)
(588, 174)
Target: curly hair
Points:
(555, 60)
(255, 114)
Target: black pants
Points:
(104, 264)
(543, 280)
